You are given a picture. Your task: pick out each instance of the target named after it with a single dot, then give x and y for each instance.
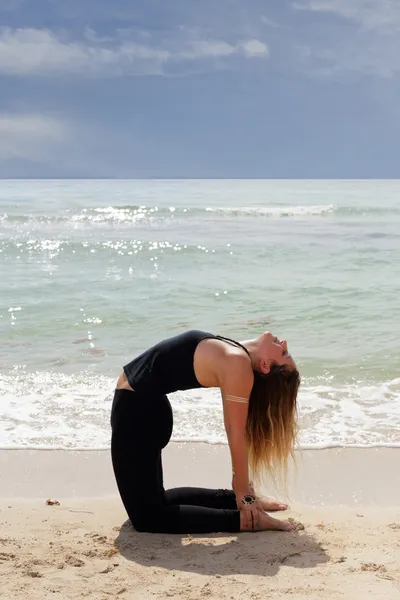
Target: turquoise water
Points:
(92, 272)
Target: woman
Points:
(258, 380)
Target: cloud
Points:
(270, 22)
(368, 46)
(30, 135)
(206, 49)
(41, 52)
(254, 48)
(216, 49)
(370, 14)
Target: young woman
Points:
(258, 380)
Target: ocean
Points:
(94, 271)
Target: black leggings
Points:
(141, 428)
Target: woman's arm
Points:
(235, 426)
(235, 389)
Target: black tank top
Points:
(168, 366)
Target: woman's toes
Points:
(288, 525)
(271, 523)
(269, 504)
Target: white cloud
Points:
(368, 46)
(39, 51)
(30, 135)
(270, 22)
(370, 14)
(42, 52)
(254, 48)
(205, 49)
(217, 49)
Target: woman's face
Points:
(274, 350)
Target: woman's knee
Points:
(161, 521)
(144, 522)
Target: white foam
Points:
(112, 214)
(276, 211)
(48, 410)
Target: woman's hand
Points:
(253, 516)
(249, 492)
(256, 505)
(265, 503)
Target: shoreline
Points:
(325, 477)
(308, 447)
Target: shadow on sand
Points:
(259, 553)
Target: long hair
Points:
(271, 427)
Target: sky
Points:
(200, 88)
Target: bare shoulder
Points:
(236, 376)
(218, 364)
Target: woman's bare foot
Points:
(265, 523)
(270, 504)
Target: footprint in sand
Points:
(91, 553)
(6, 556)
(74, 561)
(379, 570)
(373, 567)
(35, 574)
(107, 570)
(97, 537)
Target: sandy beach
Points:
(347, 499)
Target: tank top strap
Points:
(233, 342)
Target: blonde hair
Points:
(271, 427)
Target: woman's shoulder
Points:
(236, 376)
(235, 369)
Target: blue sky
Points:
(207, 88)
